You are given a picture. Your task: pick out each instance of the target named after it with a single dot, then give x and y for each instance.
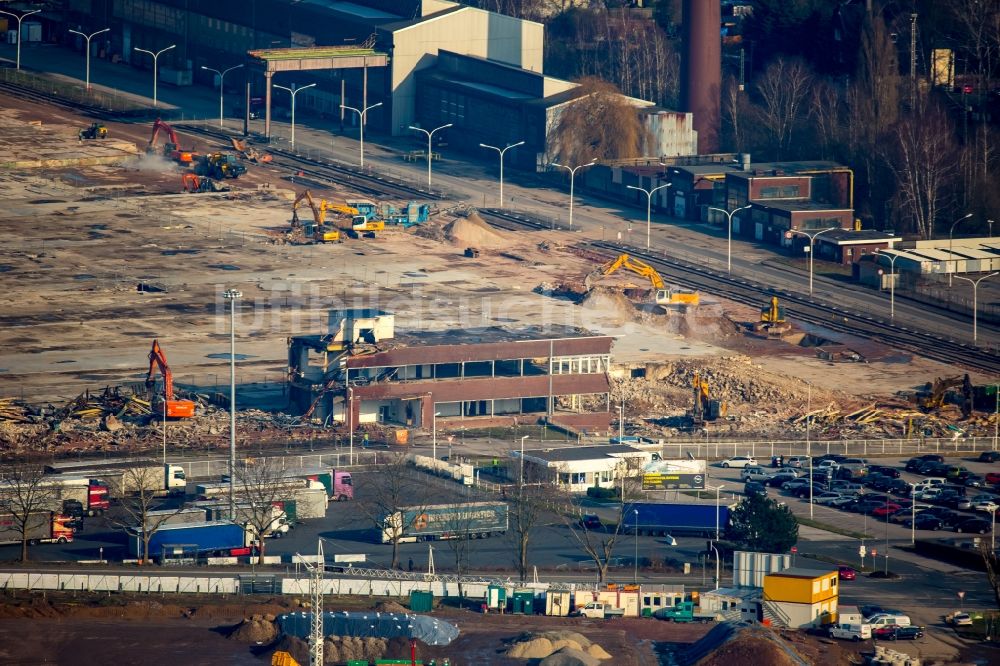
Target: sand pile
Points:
(256, 629)
(472, 231)
(390, 607)
(563, 648)
(611, 303)
(748, 650)
(337, 649)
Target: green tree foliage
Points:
(760, 524)
(599, 124)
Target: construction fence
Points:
(860, 448)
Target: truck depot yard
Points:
(327, 387)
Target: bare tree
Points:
(599, 542)
(992, 563)
(529, 501)
(138, 490)
(783, 90)
(26, 497)
(735, 110)
(260, 486)
(922, 159)
(600, 124)
(397, 486)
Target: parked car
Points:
(987, 506)
(926, 466)
(797, 462)
(845, 572)
(754, 473)
(948, 517)
(989, 456)
(792, 485)
(885, 510)
(894, 633)
(590, 521)
(974, 526)
(842, 486)
(901, 488)
(739, 461)
(853, 468)
(914, 464)
(782, 476)
(956, 472)
(891, 472)
(983, 497)
(844, 501)
(754, 488)
(831, 465)
(825, 498)
(955, 502)
(925, 521)
(959, 619)
(993, 478)
(881, 482)
(974, 481)
(866, 506)
(928, 495)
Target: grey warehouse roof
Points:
(577, 453)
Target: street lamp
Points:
(156, 57)
(350, 425)
(222, 78)
(572, 177)
(434, 435)
(621, 422)
(362, 114)
(88, 37)
(993, 530)
(635, 561)
(809, 396)
(729, 234)
(294, 91)
(951, 239)
(812, 240)
(718, 489)
(19, 19)
(975, 301)
(232, 295)
(430, 135)
(892, 282)
(522, 457)
(717, 563)
(502, 152)
(649, 204)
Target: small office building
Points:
(800, 597)
(580, 467)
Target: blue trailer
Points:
(663, 518)
(205, 539)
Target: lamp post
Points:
(635, 561)
(362, 114)
(718, 489)
(19, 19)
(951, 239)
(809, 395)
(87, 37)
(812, 240)
(649, 204)
(572, 177)
(993, 530)
(892, 282)
(156, 58)
(502, 152)
(729, 233)
(232, 295)
(434, 435)
(430, 153)
(975, 302)
(621, 421)
(717, 563)
(522, 457)
(293, 91)
(222, 79)
(350, 425)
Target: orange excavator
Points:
(178, 409)
(171, 148)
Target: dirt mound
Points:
(298, 648)
(474, 232)
(598, 652)
(611, 303)
(390, 607)
(338, 649)
(748, 650)
(256, 629)
(533, 648)
(565, 636)
(570, 657)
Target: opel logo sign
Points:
(697, 478)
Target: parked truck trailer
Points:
(663, 518)
(41, 527)
(126, 477)
(206, 539)
(472, 520)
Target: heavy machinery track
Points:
(802, 307)
(362, 182)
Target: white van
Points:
(930, 482)
(851, 632)
(888, 621)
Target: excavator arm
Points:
(640, 268)
(160, 126)
(158, 361)
(319, 212)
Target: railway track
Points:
(803, 307)
(363, 182)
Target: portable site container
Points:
(558, 604)
(523, 602)
(496, 597)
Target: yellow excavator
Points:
(772, 318)
(705, 408)
(320, 231)
(934, 395)
(663, 294)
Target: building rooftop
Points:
(797, 205)
(864, 235)
(802, 572)
(485, 335)
(578, 453)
